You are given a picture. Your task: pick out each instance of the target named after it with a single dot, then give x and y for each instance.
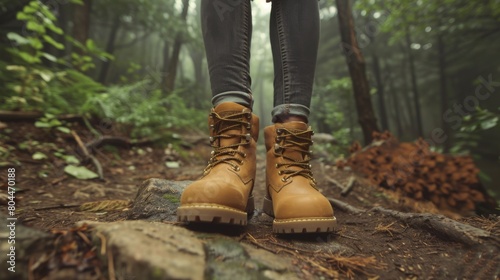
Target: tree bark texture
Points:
(357, 71)
(416, 94)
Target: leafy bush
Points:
(474, 125)
(149, 111)
(29, 84)
(331, 115)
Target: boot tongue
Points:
(230, 111)
(295, 127)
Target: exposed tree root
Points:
(435, 224)
(441, 225)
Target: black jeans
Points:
(294, 32)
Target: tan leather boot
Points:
(292, 197)
(223, 193)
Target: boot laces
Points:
(290, 141)
(228, 154)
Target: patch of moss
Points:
(172, 198)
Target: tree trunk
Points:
(110, 48)
(357, 71)
(81, 19)
(396, 106)
(380, 93)
(406, 92)
(414, 86)
(171, 72)
(443, 90)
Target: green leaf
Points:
(41, 124)
(55, 29)
(80, 172)
(36, 43)
(90, 45)
(63, 129)
(490, 123)
(71, 159)
(172, 164)
(16, 68)
(29, 10)
(39, 156)
(29, 58)
(51, 41)
(17, 38)
(46, 75)
(23, 16)
(54, 123)
(35, 4)
(34, 26)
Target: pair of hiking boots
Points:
(224, 192)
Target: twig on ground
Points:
(334, 182)
(256, 243)
(80, 143)
(103, 242)
(349, 186)
(87, 155)
(345, 206)
(91, 128)
(387, 228)
(111, 266)
(442, 225)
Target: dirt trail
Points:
(368, 243)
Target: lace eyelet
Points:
(276, 165)
(279, 172)
(277, 147)
(284, 179)
(236, 168)
(279, 131)
(244, 155)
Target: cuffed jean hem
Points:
(282, 111)
(239, 97)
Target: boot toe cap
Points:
(213, 192)
(296, 207)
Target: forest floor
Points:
(370, 242)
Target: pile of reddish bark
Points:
(450, 182)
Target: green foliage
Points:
(330, 115)
(148, 111)
(29, 84)
(470, 135)
(50, 121)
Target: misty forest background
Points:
(433, 69)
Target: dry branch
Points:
(87, 155)
(345, 207)
(441, 225)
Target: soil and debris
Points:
(383, 233)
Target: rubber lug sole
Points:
(299, 225)
(215, 213)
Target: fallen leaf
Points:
(80, 172)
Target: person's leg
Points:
(294, 30)
(223, 193)
(227, 33)
(292, 195)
